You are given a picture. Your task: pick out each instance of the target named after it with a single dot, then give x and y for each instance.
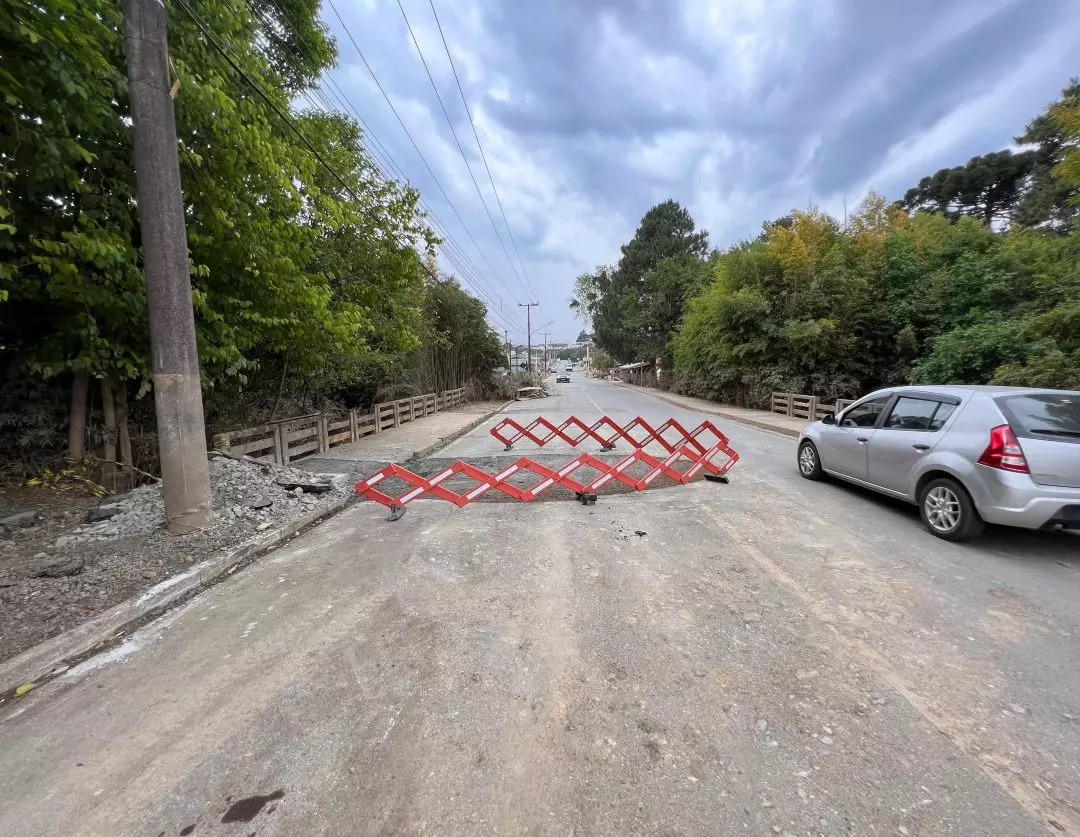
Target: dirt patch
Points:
(65, 558)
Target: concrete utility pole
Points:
(509, 354)
(528, 306)
(177, 387)
(546, 335)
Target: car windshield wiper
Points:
(1074, 434)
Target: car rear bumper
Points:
(1016, 500)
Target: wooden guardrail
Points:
(289, 439)
(808, 407)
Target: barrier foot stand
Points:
(585, 498)
(396, 513)
(717, 478)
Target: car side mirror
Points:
(828, 418)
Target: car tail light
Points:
(1004, 451)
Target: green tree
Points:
(1050, 197)
(302, 276)
(988, 187)
(622, 302)
(69, 266)
(964, 289)
(667, 288)
(572, 353)
(597, 298)
(455, 342)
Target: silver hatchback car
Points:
(966, 455)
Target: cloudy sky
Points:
(591, 111)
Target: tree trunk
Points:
(108, 454)
(77, 416)
(281, 388)
(124, 434)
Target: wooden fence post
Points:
(324, 441)
(377, 409)
(790, 402)
(283, 443)
(397, 414)
(275, 435)
(353, 432)
(813, 408)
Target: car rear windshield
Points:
(1044, 415)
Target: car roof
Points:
(960, 390)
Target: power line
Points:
(469, 271)
(480, 285)
(461, 149)
(480, 146)
(416, 147)
(320, 96)
(214, 41)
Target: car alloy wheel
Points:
(942, 506)
(807, 460)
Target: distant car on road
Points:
(965, 455)
(563, 377)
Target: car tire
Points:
(809, 461)
(948, 512)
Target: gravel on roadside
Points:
(65, 562)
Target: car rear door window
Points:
(911, 414)
(941, 415)
(1044, 415)
(865, 414)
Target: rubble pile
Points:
(66, 561)
(242, 491)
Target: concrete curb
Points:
(443, 441)
(757, 425)
(35, 664)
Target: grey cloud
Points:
(919, 93)
(873, 77)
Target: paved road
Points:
(772, 657)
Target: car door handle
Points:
(921, 447)
(862, 440)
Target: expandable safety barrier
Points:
(574, 431)
(688, 447)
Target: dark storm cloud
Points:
(566, 92)
(740, 109)
(571, 91)
(917, 93)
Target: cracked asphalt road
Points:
(771, 657)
